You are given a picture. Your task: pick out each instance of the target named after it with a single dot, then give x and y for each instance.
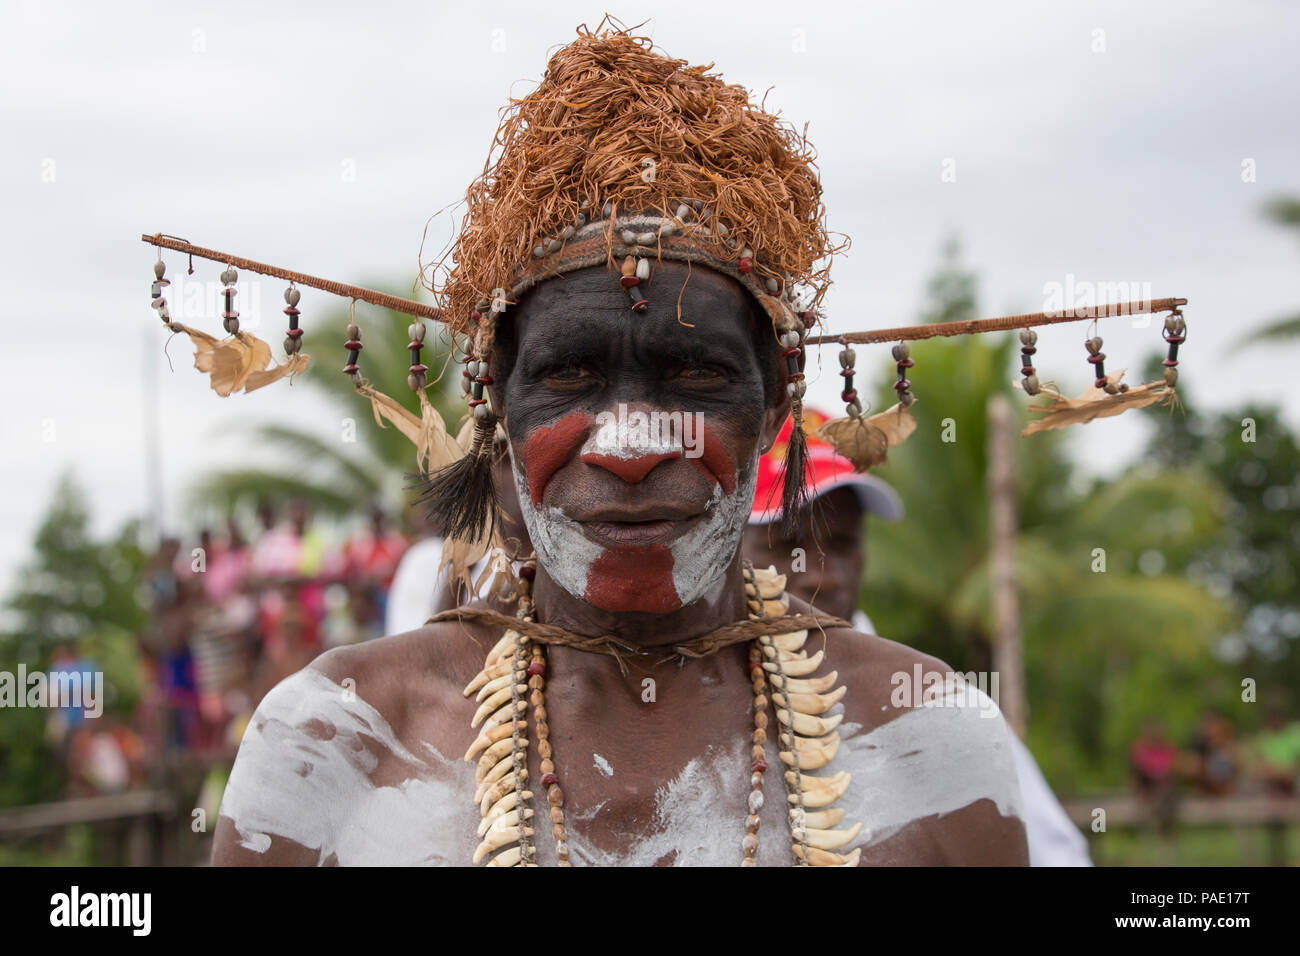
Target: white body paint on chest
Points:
(304, 770)
(303, 773)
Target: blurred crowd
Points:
(1216, 761)
(235, 614)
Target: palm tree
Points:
(330, 475)
(1100, 646)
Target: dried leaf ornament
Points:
(239, 362)
(1095, 403)
(866, 441)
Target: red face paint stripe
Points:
(633, 579)
(714, 463)
(631, 470)
(547, 450)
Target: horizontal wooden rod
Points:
(397, 304)
(1002, 324)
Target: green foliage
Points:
(79, 594)
(1103, 649)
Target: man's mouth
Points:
(635, 528)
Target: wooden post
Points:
(1008, 659)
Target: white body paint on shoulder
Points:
(303, 774)
(931, 760)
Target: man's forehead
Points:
(590, 301)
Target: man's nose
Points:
(627, 442)
(633, 469)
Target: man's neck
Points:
(722, 604)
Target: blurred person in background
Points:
(824, 564)
(1214, 754)
(1275, 753)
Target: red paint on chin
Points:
(633, 579)
(547, 449)
(632, 470)
(714, 462)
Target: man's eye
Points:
(568, 373)
(698, 373)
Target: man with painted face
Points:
(641, 710)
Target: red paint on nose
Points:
(714, 463)
(547, 449)
(631, 470)
(633, 579)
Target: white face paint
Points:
(700, 556)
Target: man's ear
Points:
(774, 419)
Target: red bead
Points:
(755, 666)
(527, 572)
(474, 402)
(846, 372)
(1169, 363)
(484, 379)
(536, 669)
(415, 346)
(758, 766)
(791, 353)
(1100, 383)
(746, 265)
(475, 314)
(1027, 370)
(419, 369)
(902, 386)
(294, 333)
(549, 779)
(809, 319)
(1095, 359)
(849, 395)
(640, 305)
(629, 281)
(350, 369)
(906, 363)
(291, 310)
(352, 345)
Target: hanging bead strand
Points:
(354, 347)
(229, 317)
(1175, 334)
(293, 337)
(902, 353)
(417, 378)
(1028, 346)
(852, 403)
(159, 301)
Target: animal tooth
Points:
(502, 648)
(495, 793)
(485, 675)
(818, 819)
(797, 667)
(815, 685)
(818, 791)
(492, 733)
(791, 642)
(496, 839)
(510, 857)
(493, 756)
(509, 712)
(495, 701)
(818, 857)
(511, 818)
(809, 703)
(494, 685)
(494, 775)
(770, 584)
(511, 800)
(831, 839)
(808, 725)
(812, 753)
(774, 609)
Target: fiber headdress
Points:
(625, 157)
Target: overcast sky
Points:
(1111, 142)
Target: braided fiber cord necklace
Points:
(513, 680)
